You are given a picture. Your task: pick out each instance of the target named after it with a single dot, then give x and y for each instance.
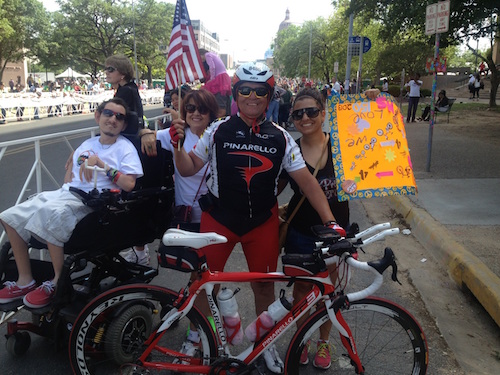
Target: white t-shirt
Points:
(414, 88)
(336, 87)
(186, 187)
(121, 155)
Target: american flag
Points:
(184, 62)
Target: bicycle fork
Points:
(338, 321)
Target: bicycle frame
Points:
(322, 289)
(214, 348)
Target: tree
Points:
(153, 28)
(22, 25)
(469, 19)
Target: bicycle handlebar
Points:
(345, 248)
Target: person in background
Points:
(441, 105)
(285, 106)
(414, 86)
(120, 74)
(478, 85)
(218, 82)
(52, 216)
(174, 109)
(336, 86)
(385, 86)
(241, 202)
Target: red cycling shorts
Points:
(260, 245)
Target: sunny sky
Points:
(246, 29)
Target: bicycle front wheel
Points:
(387, 337)
(111, 330)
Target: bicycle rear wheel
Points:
(111, 330)
(388, 340)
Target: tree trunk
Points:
(495, 80)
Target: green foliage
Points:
(395, 90)
(425, 92)
(22, 26)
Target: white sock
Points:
(27, 285)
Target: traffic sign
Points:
(437, 17)
(355, 45)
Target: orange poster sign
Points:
(369, 147)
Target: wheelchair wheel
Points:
(126, 334)
(18, 344)
(108, 330)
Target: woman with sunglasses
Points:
(246, 154)
(120, 74)
(198, 109)
(308, 115)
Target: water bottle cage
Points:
(236, 328)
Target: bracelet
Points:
(331, 222)
(117, 176)
(111, 173)
(142, 135)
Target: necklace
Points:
(105, 146)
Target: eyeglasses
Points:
(109, 69)
(311, 112)
(191, 108)
(260, 92)
(109, 113)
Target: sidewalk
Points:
(456, 213)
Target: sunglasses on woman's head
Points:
(260, 92)
(191, 108)
(311, 112)
(109, 113)
(109, 69)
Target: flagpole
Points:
(180, 99)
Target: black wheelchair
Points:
(93, 263)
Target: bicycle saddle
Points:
(179, 237)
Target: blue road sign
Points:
(367, 43)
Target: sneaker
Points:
(41, 296)
(188, 348)
(12, 292)
(322, 359)
(273, 360)
(304, 357)
(136, 256)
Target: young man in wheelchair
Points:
(52, 216)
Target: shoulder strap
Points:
(289, 219)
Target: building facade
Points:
(205, 38)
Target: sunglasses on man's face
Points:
(109, 69)
(109, 113)
(311, 112)
(191, 108)
(260, 92)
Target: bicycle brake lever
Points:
(394, 275)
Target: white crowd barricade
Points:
(31, 105)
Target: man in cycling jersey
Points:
(247, 153)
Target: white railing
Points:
(38, 165)
(29, 105)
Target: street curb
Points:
(465, 268)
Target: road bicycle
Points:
(370, 335)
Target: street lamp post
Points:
(310, 47)
(135, 51)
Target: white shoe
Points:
(188, 348)
(136, 256)
(273, 360)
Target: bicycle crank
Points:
(230, 366)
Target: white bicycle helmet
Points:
(254, 72)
